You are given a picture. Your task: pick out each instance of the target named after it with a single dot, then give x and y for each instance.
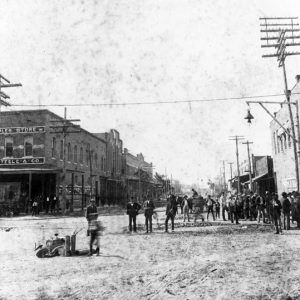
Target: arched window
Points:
(278, 143)
(81, 155)
(69, 152)
(274, 141)
(53, 147)
(8, 146)
(61, 150)
(281, 143)
(96, 160)
(284, 141)
(87, 154)
(28, 142)
(289, 138)
(102, 163)
(75, 153)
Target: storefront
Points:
(20, 186)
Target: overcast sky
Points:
(122, 51)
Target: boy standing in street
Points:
(91, 216)
(170, 211)
(286, 209)
(276, 214)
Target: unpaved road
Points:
(217, 262)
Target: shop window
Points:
(75, 153)
(8, 146)
(28, 142)
(54, 147)
(61, 150)
(81, 155)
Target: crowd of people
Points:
(266, 208)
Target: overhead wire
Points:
(150, 102)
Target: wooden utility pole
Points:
(64, 129)
(237, 138)
(249, 161)
(230, 163)
(5, 84)
(285, 29)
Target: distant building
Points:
(282, 146)
(113, 180)
(138, 176)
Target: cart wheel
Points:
(42, 253)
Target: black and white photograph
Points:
(149, 149)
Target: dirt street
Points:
(223, 261)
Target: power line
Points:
(150, 102)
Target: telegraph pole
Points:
(223, 175)
(230, 163)
(249, 160)
(64, 129)
(285, 29)
(237, 138)
(5, 83)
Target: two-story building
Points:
(41, 155)
(138, 176)
(282, 145)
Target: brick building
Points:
(138, 176)
(283, 154)
(113, 181)
(36, 161)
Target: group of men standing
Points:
(266, 208)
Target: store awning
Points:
(257, 177)
(4, 171)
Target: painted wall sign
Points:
(14, 130)
(22, 161)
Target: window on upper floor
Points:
(274, 141)
(69, 152)
(53, 150)
(87, 154)
(8, 146)
(61, 150)
(289, 138)
(96, 160)
(75, 153)
(284, 141)
(102, 163)
(28, 143)
(81, 155)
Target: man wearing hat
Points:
(91, 216)
(133, 208)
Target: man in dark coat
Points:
(276, 213)
(171, 211)
(286, 209)
(148, 212)
(132, 211)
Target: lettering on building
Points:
(15, 130)
(22, 161)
